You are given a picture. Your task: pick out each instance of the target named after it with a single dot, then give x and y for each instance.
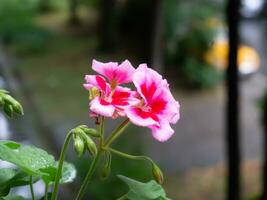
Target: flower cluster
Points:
(150, 105)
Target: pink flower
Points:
(116, 74)
(156, 108)
(105, 101)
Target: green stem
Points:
(117, 132)
(89, 175)
(60, 165)
(46, 191)
(125, 155)
(102, 127)
(31, 188)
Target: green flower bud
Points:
(78, 145)
(90, 144)
(14, 103)
(8, 110)
(9, 99)
(105, 172)
(2, 101)
(91, 132)
(18, 108)
(157, 174)
(4, 91)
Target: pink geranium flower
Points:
(110, 100)
(115, 73)
(156, 108)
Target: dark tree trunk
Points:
(156, 47)
(264, 122)
(108, 25)
(73, 19)
(232, 135)
(264, 192)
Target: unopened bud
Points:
(90, 144)
(4, 91)
(78, 145)
(105, 172)
(2, 101)
(8, 110)
(18, 108)
(14, 103)
(91, 132)
(157, 174)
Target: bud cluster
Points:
(9, 104)
(83, 141)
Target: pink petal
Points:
(163, 132)
(124, 72)
(119, 73)
(105, 69)
(95, 81)
(174, 112)
(146, 81)
(102, 107)
(138, 118)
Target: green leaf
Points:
(10, 178)
(29, 158)
(35, 162)
(143, 191)
(6, 175)
(11, 197)
(68, 173)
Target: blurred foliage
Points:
(112, 187)
(91, 3)
(17, 25)
(190, 28)
(254, 197)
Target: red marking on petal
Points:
(144, 115)
(104, 102)
(148, 90)
(158, 105)
(101, 82)
(120, 98)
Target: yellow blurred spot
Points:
(248, 58)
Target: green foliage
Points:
(10, 178)
(254, 197)
(17, 25)
(112, 186)
(91, 3)
(189, 35)
(12, 197)
(33, 162)
(143, 191)
(68, 173)
(200, 74)
(29, 158)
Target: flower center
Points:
(147, 109)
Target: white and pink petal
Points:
(101, 107)
(163, 131)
